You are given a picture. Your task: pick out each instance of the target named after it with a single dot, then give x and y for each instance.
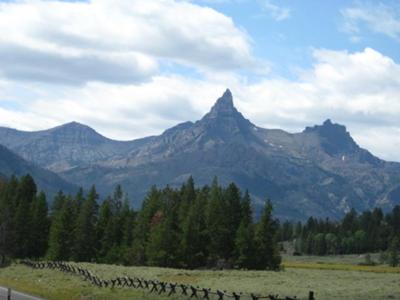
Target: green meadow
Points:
(328, 277)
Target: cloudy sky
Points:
(132, 68)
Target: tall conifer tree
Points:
(86, 243)
(267, 254)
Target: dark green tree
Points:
(26, 192)
(7, 219)
(394, 248)
(40, 226)
(245, 251)
(162, 248)
(151, 205)
(217, 225)
(85, 243)
(62, 231)
(104, 230)
(267, 251)
(233, 216)
(194, 234)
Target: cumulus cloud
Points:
(360, 90)
(378, 17)
(21, 63)
(118, 111)
(120, 41)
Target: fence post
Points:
(311, 296)
(8, 294)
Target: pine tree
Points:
(57, 205)
(128, 217)
(150, 206)
(61, 231)
(216, 224)
(40, 226)
(232, 200)
(194, 234)
(163, 241)
(394, 220)
(267, 251)
(118, 221)
(187, 196)
(394, 249)
(7, 219)
(78, 201)
(85, 243)
(26, 192)
(104, 230)
(244, 241)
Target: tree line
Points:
(370, 231)
(186, 227)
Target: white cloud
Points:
(115, 40)
(277, 12)
(119, 111)
(3, 87)
(111, 51)
(379, 18)
(360, 90)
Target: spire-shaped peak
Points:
(227, 97)
(224, 104)
(225, 117)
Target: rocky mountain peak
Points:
(73, 126)
(334, 137)
(75, 132)
(224, 120)
(224, 105)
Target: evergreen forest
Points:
(186, 227)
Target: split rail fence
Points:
(153, 286)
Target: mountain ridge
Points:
(320, 171)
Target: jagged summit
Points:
(328, 128)
(224, 120)
(335, 137)
(224, 108)
(226, 101)
(224, 105)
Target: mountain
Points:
(320, 171)
(49, 182)
(63, 147)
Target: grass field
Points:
(328, 277)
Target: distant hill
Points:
(320, 171)
(49, 182)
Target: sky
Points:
(133, 68)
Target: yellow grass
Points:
(342, 267)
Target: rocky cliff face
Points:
(320, 171)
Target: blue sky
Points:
(287, 43)
(131, 68)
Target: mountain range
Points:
(320, 171)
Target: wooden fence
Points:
(153, 286)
